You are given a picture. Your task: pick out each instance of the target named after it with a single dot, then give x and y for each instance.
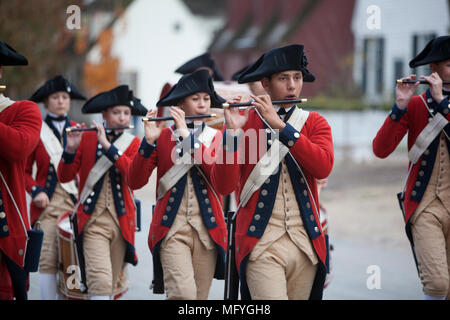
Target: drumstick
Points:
(186, 117)
(249, 103)
(95, 129)
(420, 81)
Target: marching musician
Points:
(105, 214)
(188, 235)
(281, 250)
(51, 199)
(20, 125)
(426, 199)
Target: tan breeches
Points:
(188, 266)
(281, 272)
(431, 234)
(104, 251)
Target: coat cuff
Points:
(444, 107)
(146, 149)
(35, 190)
(67, 157)
(289, 136)
(231, 142)
(113, 154)
(396, 113)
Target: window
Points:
(373, 66)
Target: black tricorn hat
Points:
(119, 96)
(189, 84)
(436, 50)
(203, 60)
(291, 57)
(56, 84)
(10, 57)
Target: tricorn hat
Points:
(10, 57)
(436, 50)
(199, 81)
(291, 57)
(58, 83)
(119, 96)
(203, 60)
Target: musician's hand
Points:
(153, 129)
(74, 139)
(435, 86)
(405, 91)
(265, 107)
(179, 118)
(101, 135)
(41, 200)
(234, 120)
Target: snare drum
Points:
(69, 276)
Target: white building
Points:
(388, 34)
(152, 39)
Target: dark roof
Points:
(207, 7)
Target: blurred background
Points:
(355, 48)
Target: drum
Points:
(69, 274)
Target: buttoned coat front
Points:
(88, 152)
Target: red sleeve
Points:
(19, 139)
(391, 133)
(224, 171)
(29, 181)
(70, 163)
(313, 152)
(142, 165)
(125, 160)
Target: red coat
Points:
(149, 158)
(411, 120)
(82, 162)
(43, 175)
(313, 150)
(20, 126)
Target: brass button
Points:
(257, 217)
(2, 215)
(5, 228)
(20, 252)
(261, 205)
(252, 228)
